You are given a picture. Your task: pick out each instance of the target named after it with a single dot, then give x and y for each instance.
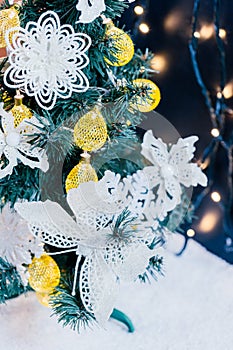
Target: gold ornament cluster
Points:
(90, 134)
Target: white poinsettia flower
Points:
(46, 60)
(110, 252)
(172, 167)
(15, 144)
(17, 244)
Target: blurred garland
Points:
(218, 111)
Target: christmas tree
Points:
(84, 202)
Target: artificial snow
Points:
(191, 308)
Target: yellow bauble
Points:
(149, 100)
(90, 132)
(122, 46)
(8, 18)
(44, 274)
(82, 172)
(20, 111)
(43, 298)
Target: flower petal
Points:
(11, 154)
(182, 151)
(192, 175)
(155, 150)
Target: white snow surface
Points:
(191, 308)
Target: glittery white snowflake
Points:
(171, 168)
(109, 254)
(16, 242)
(46, 60)
(15, 144)
(91, 9)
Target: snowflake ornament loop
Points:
(171, 168)
(46, 60)
(17, 244)
(15, 144)
(109, 256)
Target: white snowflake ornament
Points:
(171, 168)
(46, 60)
(17, 244)
(15, 144)
(91, 9)
(108, 257)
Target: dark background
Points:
(182, 103)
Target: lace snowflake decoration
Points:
(15, 144)
(171, 168)
(17, 244)
(46, 60)
(91, 9)
(110, 252)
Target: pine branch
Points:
(123, 227)
(154, 269)
(69, 309)
(10, 282)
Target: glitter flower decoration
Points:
(113, 246)
(46, 60)
(172, 167)
(15, 144)
(16, 242)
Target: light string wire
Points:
(217, 111)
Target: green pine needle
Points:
(10, 282)
(69, 309)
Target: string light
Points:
(190, 233)
(139, 10)
(228, 241)
(144, 28)
(197, 35)
(208, 222)
(222, 33)
(228, 90)
(219, 94)
(207, 31)
(159, 63)
(215, 132)
(215, 196)
(173, 21)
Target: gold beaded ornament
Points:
(90, 132)
(43, 299)
(44, 274)
(20, 111)
(9, 18)
(82, 172)
(122, 46)
(151, 98)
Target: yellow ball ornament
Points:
(82, 172)
(9, 18)
(122, 46)
(44, 274)
(148, 100)
(43, 299)
(90, 132)
(20, 111)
